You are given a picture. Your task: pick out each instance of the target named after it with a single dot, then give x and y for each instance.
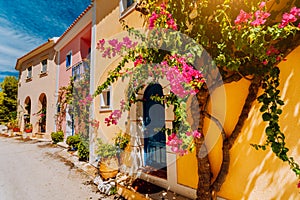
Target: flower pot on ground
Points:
(28, 128)
(16, 129)
(108, 164)
(73, 142)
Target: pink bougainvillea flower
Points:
(260, 18)
(139, 60)
(262, 5)
(243, 17)
(196, 134)
(290, 17)
(100, 45)
(265, 62)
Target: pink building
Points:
(73, 48)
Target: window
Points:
(29, 72)
(105, 99)
(69, 59)
(76, 71)
(44, 66)
(125, 6)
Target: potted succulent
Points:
(108, 163)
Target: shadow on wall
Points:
(260, 174)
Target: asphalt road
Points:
(32, 171)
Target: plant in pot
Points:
(73, 142)
(14, 125)
(121, 142)
(108, 164)
(28, 128)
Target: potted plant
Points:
(73, 142)
(28, 128)
(14, 125)
(122, 140)
(108, 164)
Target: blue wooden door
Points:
(154, 121)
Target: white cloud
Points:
(14, 44)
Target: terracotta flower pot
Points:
(16, 129)
(28, 130)
(108, 167)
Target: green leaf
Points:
(266, 116)
(269, 130)
(280, 102)
(263, 108)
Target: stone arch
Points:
(27, 107)
(42, 113)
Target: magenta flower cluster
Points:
(115, 47)
(162, 15)
(94, 123)
(115, 116)
(290, 17)
(255, 19)
(86, 101)
(183, 78)
(195, 134)
(175, 143)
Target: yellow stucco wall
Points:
(255, 174)
(108, 27)
(252, 174)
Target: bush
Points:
(73, 141)
(106, 150)
(83, 151)
(57, 137)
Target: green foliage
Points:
(8, 99)
(106, 150)
(28, 126)
(241, 49)
(73, 141)
(122, 140)
(83, 150)
(57, 137)
(270, 108)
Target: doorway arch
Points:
(27, 106)
(42, 112)
(154, 136)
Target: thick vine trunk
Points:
(228, 142)
(204, 171)
(206, 190)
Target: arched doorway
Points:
(27, 107)
(42, 113)
(154, 137)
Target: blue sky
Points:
(26, 24)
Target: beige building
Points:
(37, 89)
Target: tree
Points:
(8, 106)
(247, 42)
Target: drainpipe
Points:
(92, 157)
(57, 86)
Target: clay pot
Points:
(108, 167)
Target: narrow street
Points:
(32, 171)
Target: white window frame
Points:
(69, 54)
(76, 71)
(29, 72)
(104, 105)
(43, 68)
(124, 9)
